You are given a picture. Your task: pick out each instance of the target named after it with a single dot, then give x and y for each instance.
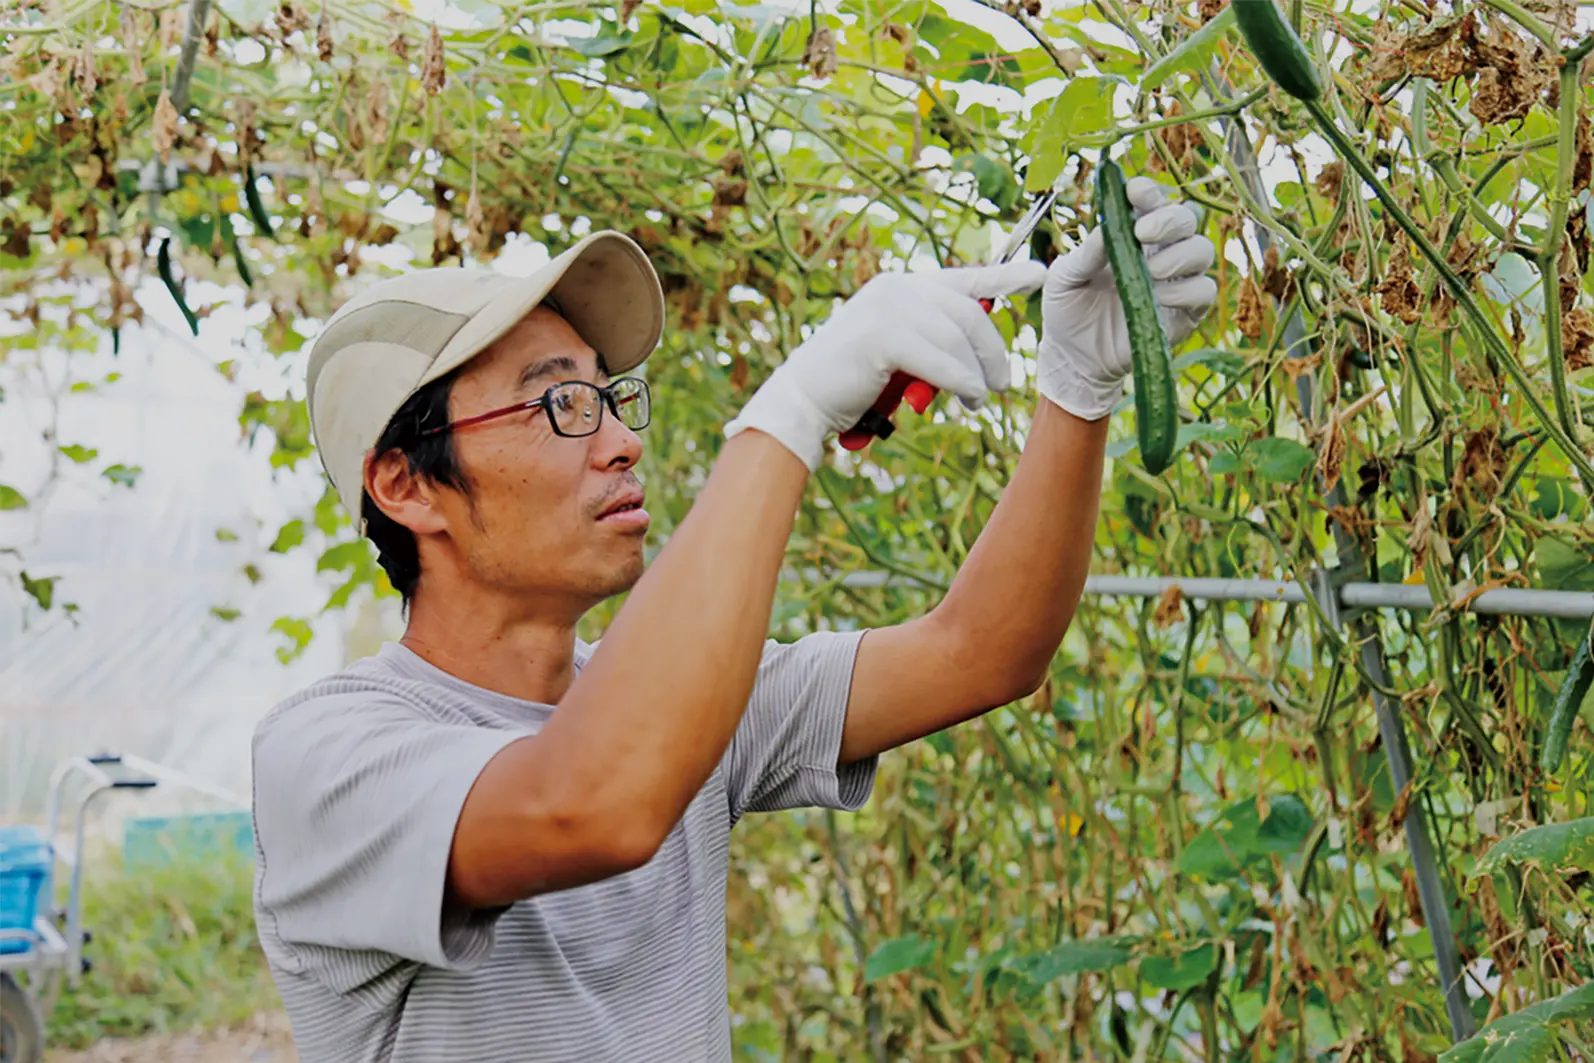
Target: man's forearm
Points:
(1016, 592)
(654, 710)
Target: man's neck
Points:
(486, 647)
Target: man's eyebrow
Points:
(542, 367)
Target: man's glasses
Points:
(575, 407)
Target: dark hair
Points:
(429, 457)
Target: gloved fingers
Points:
(942, 369)
(986, 342)
(1145, 195)
(991, 282)
(1165, 225)
(1186, 258)
(1081, 265)
(1187, 293)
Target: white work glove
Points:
(929, 325)
(1084, 348)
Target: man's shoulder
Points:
(367, 685)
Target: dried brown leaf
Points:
(1170, 607)
(1329, 179)
(376, 110)
(132, 48)
(291, 18)
(1482, 462)
(819, 55)
(1210, 9)
(1248, 314)
(1331, 457)
(1408, 886)
(1502, 939)
(433, 69)
(1419, 541)
(1397, 292)
(323, 34)
(729, 192)
(164, 128)
(83, 70)
(1584, 166)
(1577, 339)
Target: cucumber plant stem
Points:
(1549, 262)
(1463, 296)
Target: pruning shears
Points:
(876, 421)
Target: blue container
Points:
(25, 859)
(159, 841)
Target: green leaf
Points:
(298, 634)
(125, 475)
(289, 535)
(42, 590)
(226, 535)
(1526, 1036)
(1226, 362)
(1554, 846)
(1224, 463)
(1198, 431)
(1563, 565)
(352, 554)
(1079, 117)
(1072, 957)
(605, 42)
(1240, 838)
(79, 453)
(1556, 496)
(225, 614)
(993, 179)
(11, 498)
(898, 955)
(1189, 968)
(1192, 53)
(1280, 460)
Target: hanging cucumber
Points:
(1156, 406)
(238, 255)
(1277, 47)
(257, 209)
(163, 262)
(1563, 714)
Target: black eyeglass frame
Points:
(606, 398)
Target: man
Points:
(492, 842)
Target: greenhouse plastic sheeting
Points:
(144, 667)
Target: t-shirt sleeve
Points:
(356, 798)
(785, 752)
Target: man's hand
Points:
(929, 325)
(1084, 349)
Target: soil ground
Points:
(265, 1039)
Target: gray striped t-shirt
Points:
(358, 782)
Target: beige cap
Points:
(387, 342)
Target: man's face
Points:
(540, 517)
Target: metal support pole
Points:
(1364, 632)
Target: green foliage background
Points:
(1185, 845)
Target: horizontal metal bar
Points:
(1565, 605)
(1206, 589)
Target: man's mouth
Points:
(627, 509)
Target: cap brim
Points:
(605, 288)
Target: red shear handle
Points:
(876, 421)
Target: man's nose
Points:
(616, 444)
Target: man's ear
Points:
(406, 498)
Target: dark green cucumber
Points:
(1277, 47)
(257, 209)
(238, 256)
(1156, 405)
(163, 262)
(1563, 714)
